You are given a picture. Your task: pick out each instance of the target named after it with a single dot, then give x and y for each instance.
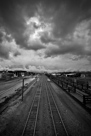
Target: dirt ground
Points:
(12, 120)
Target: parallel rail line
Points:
(30, 125)
(58, 123)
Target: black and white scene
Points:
(45, 67)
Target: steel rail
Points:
(34, 119)
(51, 112)
(55, 112)
(37, 114)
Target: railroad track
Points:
(30, 127)
(58, 123)
(30, 124)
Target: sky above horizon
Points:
(45, 35)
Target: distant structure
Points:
(7, 75)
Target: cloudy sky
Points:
(45, 35)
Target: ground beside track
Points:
(76, 119)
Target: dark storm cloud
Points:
(12, 23)
(66, 15)
(6, 45)
(12, 19)
(1, 35)
(45, 38)
(74, 49)
(4, 52)
(69, 15)
(35, 47)
(17, 53)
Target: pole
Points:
(22, 88)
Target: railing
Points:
(82, 86)
(73, 87)
(86, 99)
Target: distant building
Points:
(73, 75)
(86, 74)
(0, 75)
(83, 75)
(7, 76)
